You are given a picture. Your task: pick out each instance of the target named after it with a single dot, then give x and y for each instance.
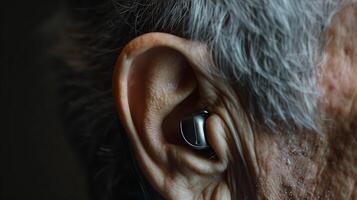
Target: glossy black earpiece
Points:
(193, 130)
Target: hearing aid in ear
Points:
(193, 130)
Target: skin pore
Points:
(160, 78)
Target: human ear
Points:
(157, 82)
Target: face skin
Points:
(160, 78)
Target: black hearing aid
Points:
(193, 130)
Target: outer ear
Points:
(157, 81)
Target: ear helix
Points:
(192, 130)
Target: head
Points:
(276, 76)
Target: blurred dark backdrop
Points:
(36, 161)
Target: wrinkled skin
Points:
(319, 166)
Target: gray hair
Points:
(267, 49)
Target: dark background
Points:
(36, 161)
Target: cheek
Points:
(339, 86)
(271, 164)
(339, 68)
(288, 164)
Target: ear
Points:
(158, 80)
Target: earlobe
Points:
(155, 86)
